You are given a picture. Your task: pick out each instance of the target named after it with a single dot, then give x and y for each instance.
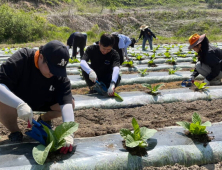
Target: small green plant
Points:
(194, 59)
(128, 63)
(196, 54)
(167, 48)
(189, 52)
(160, 54)
(153, 56)
(173, 71)
(151, 62)
(172, 60)
(154, 89)
(118, 96)
(74, 60)
(133, 54)
(154, 50)
(167, 54)
(146, 54)
(182, 55)
(138, 137)
(139, 57)
(196, 127)
(143, 72)
(192, 70)
(201, 86)
(55, 140)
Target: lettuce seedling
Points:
(154, 50)
(146, 54)
(200, 86)
(139, 57)
(133, 54)
(182, 55)
(138, 137)
(151, 62)
(55, 140)
(128, 63)
(153, 56)
(118, 96)
(167, 54)
(143, 72)
(196, 127)
(154, 89)
(172, 60)
(173, 71)
(74, 60)
(194, 59)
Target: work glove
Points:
(137, 40)
(92, 76)
(156, 38)
(25, 112)
(68, 145)
(111, 89)
(206, 81)
(127, 58)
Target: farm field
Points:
(95, 121)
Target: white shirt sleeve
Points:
(115, 74)
(9, 98)
(67, 113)
(85, 66)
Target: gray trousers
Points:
(204, 70)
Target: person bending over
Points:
(104, 66)
(36, 80)
(77, 39)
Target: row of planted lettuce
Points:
(136, 142)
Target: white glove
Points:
(111, 89)
(206, 81)
(156, 38)
(69, 144)
(127, 58)
(92, 76)
(25, 112)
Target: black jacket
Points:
(213, 60)
(147, 32)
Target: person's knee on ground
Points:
(203, 69)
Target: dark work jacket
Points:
(147, 33)
(213, 60)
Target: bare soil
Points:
(96, 121)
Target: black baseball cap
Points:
(57, 57)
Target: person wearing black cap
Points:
(33, 80)
(77, 39)
(209, 63)
(104, 66)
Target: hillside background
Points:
(34, 22)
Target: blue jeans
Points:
(150, 40)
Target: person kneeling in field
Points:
(104, 67)
(209, 63)
(36, 80)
